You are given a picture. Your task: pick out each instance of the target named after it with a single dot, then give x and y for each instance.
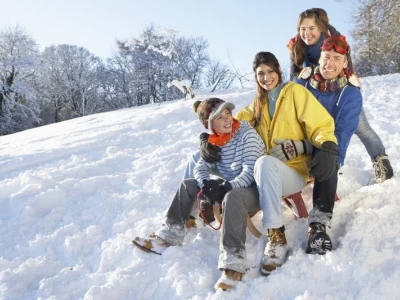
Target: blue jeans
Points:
(369, 138)
(191, 163)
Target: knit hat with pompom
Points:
(209, 109)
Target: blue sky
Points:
(241, 28)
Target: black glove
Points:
(208, 152)
(215, 191)
(324, 162)
(224, 188)
(210, 190)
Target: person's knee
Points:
(189, 184)
(263, 162)
(263, 165)
(232, 199)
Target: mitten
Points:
(288, 149)
(324, 162)
(208, 152)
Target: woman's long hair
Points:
(321, 20)
(266, 58)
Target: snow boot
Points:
(382, 168)
(191, 223)
(228, 279)
(153, 244)
(319, 241)
(276, 251)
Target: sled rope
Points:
(216, 210)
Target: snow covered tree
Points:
(142, 69)
(157, 64)
(192, 58)
(18, 61)
(145, 67)
(377, 31)
(120, 87)
(69, 82)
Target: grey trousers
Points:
(173, 231)
(236, 206)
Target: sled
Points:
(295, 203)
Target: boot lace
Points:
(316, 228)
(379, 169)
(276, 239)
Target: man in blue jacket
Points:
(331, 84)
(335, 89)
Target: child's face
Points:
(223, 122)
(309, 31)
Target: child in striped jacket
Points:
(240, 146)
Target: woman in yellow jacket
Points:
(284, 114)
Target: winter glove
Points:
(288, 149)
(208, 152)
(324, 162)
(224, 188)
(210, 190)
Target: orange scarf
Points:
(220, 140)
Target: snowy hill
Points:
(74, 194)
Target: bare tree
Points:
(218, 75)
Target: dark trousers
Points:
(324, 199)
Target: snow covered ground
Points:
(74, 194)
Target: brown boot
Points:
(153, 244)
(275, 252)
(191, 223)
(228, 279)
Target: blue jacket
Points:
(344, 105)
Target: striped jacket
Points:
(238, 157)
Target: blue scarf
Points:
(313, 53)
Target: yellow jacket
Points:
(298, 116)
